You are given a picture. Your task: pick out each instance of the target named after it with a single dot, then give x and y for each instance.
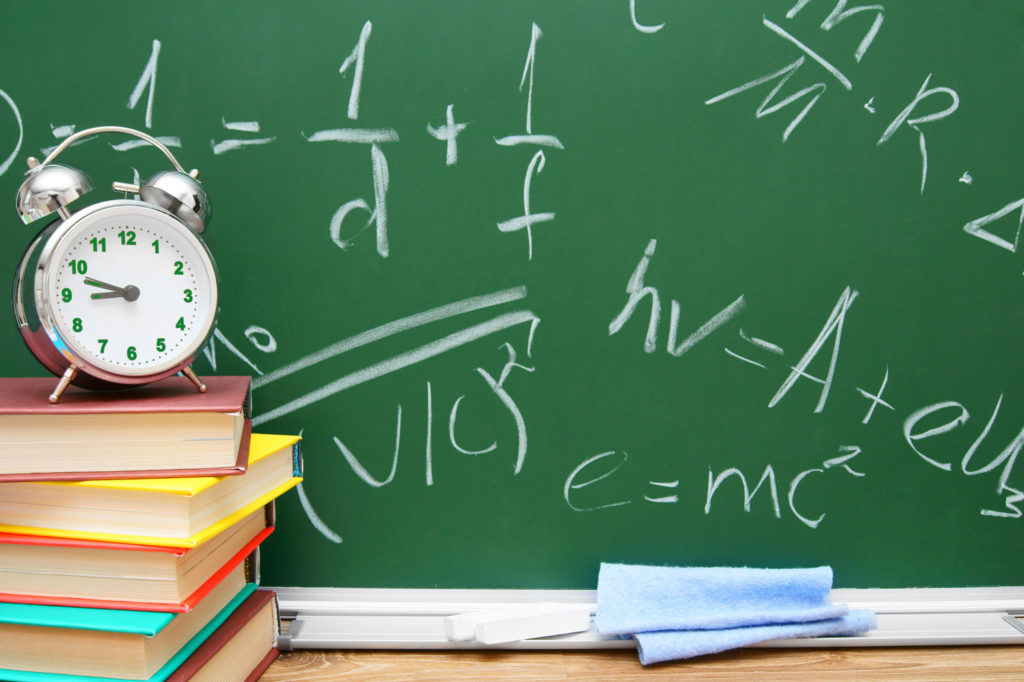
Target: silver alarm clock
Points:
(122, 292)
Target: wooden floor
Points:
(938, 663)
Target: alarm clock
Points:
(118, 293)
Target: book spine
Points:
(297, 458)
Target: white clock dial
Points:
(130, 290)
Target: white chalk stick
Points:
(461, 627)
(497, 626)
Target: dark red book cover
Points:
(224, 394)
(235, 622)
(258, 671)
(30, 395)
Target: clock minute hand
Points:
(128, 293)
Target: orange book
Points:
(37, 569)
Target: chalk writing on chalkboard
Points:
(497, 386)
(21, 133)
(375, 137)
(495, 382)
(643, 28)
(231, 145)
(597, 469)
(528, 219)
(448, 133)
(638, 290)
(778, 79)
(760, 259)
(978, 227)
(581, 478)
(911, 116)
(146, 84)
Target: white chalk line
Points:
(466, 305)
(781, 32)
(761, 343)
(532, 139)
(401, 361)
(747, 360)
(354, 135)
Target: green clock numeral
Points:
(78, 267)
(188, 295)
(76, 324)
(179, 268)
(127, 237)
(65, 295)
(161, 345)
(99, 244)
(103, 345)
(132, 354)
(156, 246)
(180, 324)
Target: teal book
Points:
(68, 644)
(137, 622)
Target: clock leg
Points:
(200, 386)
(66, 378)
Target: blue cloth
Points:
(632, 599)
(680, 612)
(670, 645)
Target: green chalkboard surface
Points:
(545, 284)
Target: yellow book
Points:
(172, 512)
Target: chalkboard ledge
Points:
(364, 618)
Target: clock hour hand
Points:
(128, 293)
(111, 294)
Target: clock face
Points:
(128, 288)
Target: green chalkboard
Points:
(544, 284)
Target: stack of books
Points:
(130, 526)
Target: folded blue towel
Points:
(632, 599)
(656, 647)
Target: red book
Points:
(50, 571)
(245, 643)
(164, 430)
